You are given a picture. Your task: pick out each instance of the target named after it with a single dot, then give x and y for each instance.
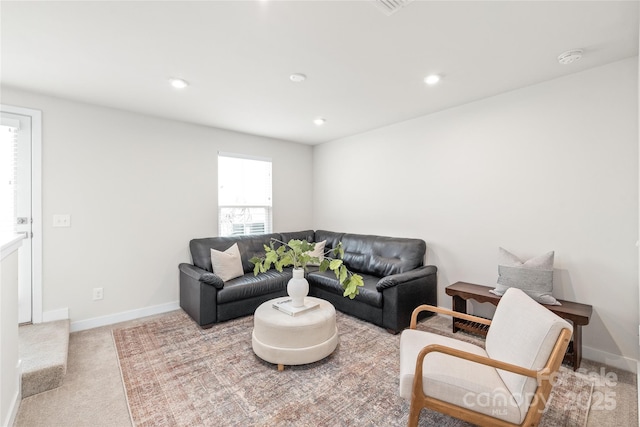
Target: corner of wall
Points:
(610, 359)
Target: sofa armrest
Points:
(197, 297)
(397, 279)
(201, 275)
(402, 293)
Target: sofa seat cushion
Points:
(328, 282)
(249, 286)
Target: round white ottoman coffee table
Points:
(294, 340)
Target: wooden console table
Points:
(576, 313)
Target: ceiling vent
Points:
(389, 7)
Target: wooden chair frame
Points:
(419, 400)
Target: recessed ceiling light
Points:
(319, 121)
(178, 83)
(570, 56)
(297, 77)
(432, 79)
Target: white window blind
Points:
(244, 195)
(8, 174)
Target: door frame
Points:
(36, 206)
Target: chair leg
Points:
(414, 415)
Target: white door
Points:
(16, 194)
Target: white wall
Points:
(138, 189)
(549, 167)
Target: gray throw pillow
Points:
(534, 276)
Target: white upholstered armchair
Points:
(505, 384)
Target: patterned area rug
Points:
(176, 374)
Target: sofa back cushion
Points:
(382, 256)
(308, 235)
(249, 247)
(375, 255)
(331, 237)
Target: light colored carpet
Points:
(92, 394)
(43, 349)
(176, 374)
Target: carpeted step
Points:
(43, 351)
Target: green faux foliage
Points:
(296, 253)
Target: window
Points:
(244, 195)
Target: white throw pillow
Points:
(227, 265)
(318, 251)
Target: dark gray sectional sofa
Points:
(395, 279)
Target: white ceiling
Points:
(365, 69)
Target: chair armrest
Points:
(421, 308)
(397, 279)
(201, 275)
(498, 364)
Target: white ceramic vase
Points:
(298, 287)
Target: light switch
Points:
(62, 220)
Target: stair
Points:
(43, 349)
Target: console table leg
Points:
(577, 346)
(459, 305)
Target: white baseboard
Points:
(53, 315)
(124, 316)
(13, 412)
(610, 359)
(17, 398)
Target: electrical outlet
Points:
(98, 293)
(62, 220)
